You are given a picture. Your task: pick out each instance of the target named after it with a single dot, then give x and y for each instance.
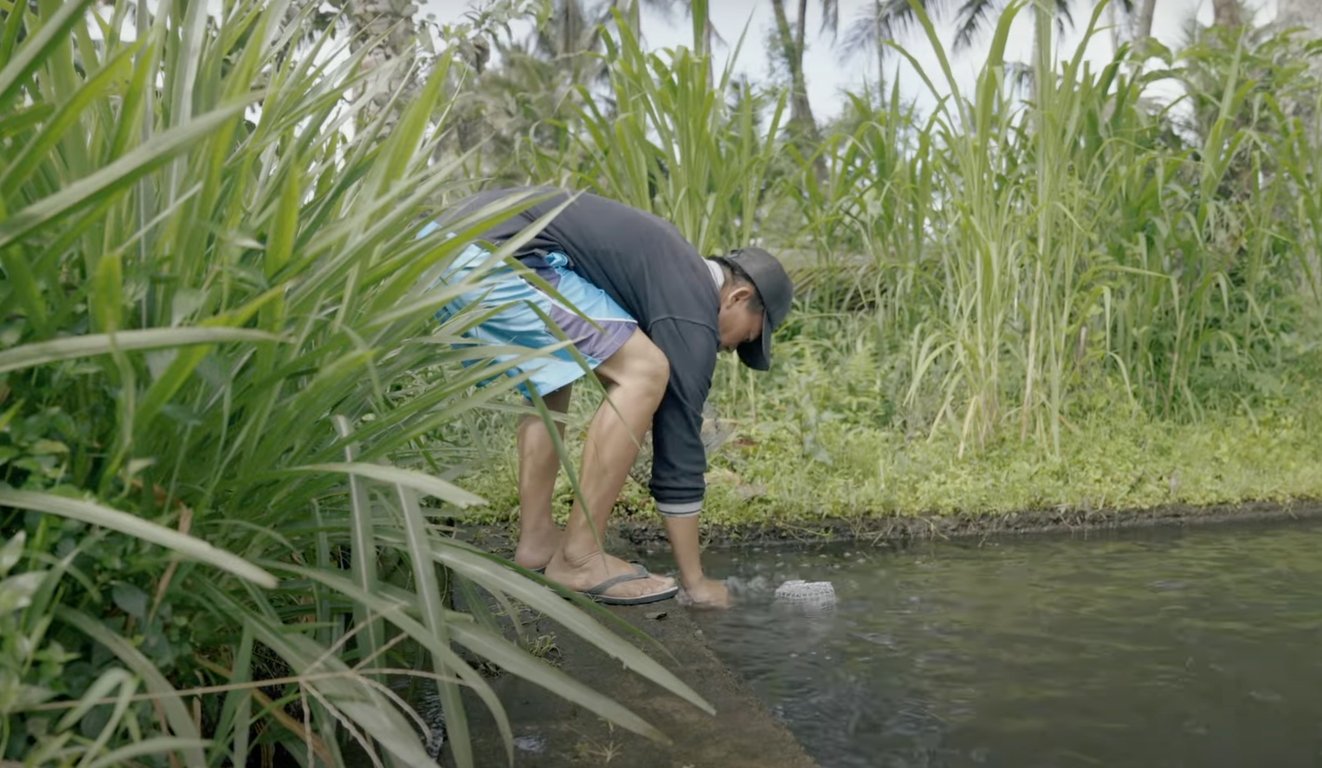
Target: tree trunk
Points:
(801, 32)
(1225, 14)
(792, 48)
(1143, 24)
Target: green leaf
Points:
(159, 745)
(487, 571)
(44, 447)
(12, 551)
(39, 148)
(433, 486)
(44, 352)
(166, 697)
(96, 514)
(362, 539)
(16, 591)
(130, 599)
(34, 51)
(105, 683)
(345, 690)
(434, 618)
(119, 175)
(24, 119)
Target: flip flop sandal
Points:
(636, 564)
(598, 592)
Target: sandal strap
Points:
(638, 574)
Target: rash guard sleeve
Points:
(679, 460)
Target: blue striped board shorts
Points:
(517, 324)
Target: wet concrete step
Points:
(552, 733)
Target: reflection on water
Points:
(1201, 648)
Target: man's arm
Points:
(679, 460)
(698, 589)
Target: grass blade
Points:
(90, 345)
(93, 513)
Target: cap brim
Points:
(756, 354)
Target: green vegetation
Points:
(821, 446)
(981, 331)
(218, 387)
(223, 399)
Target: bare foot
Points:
(599, 567)
(708, 593)
(534, 552)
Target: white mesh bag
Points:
(807, 594)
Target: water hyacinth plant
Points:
(223, 400)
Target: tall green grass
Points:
(1034, 237)
(222, 400)
(1053, 238)
(221, 387)
(671, 142)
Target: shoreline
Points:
(901, 529)
(632, 530)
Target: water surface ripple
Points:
(1197, 648)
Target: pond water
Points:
(1164, 648)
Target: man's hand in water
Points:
(707, 593)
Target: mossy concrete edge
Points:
(902, 528)
(552, 733)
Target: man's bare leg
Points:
(636, 378)
(539, 464)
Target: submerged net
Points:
(807, 594)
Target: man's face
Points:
(738, 321)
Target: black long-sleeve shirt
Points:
(644, 264)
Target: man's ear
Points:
(740, 293)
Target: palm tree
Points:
(1143, 22)
(790, 47)
(524, 97)
(574, 32)
(972, 16)
(881, 20)
(869, 32)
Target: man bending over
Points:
(659, 313)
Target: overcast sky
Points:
(829, 71)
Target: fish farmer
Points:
(660, 313)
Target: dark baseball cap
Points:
(777, 291)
